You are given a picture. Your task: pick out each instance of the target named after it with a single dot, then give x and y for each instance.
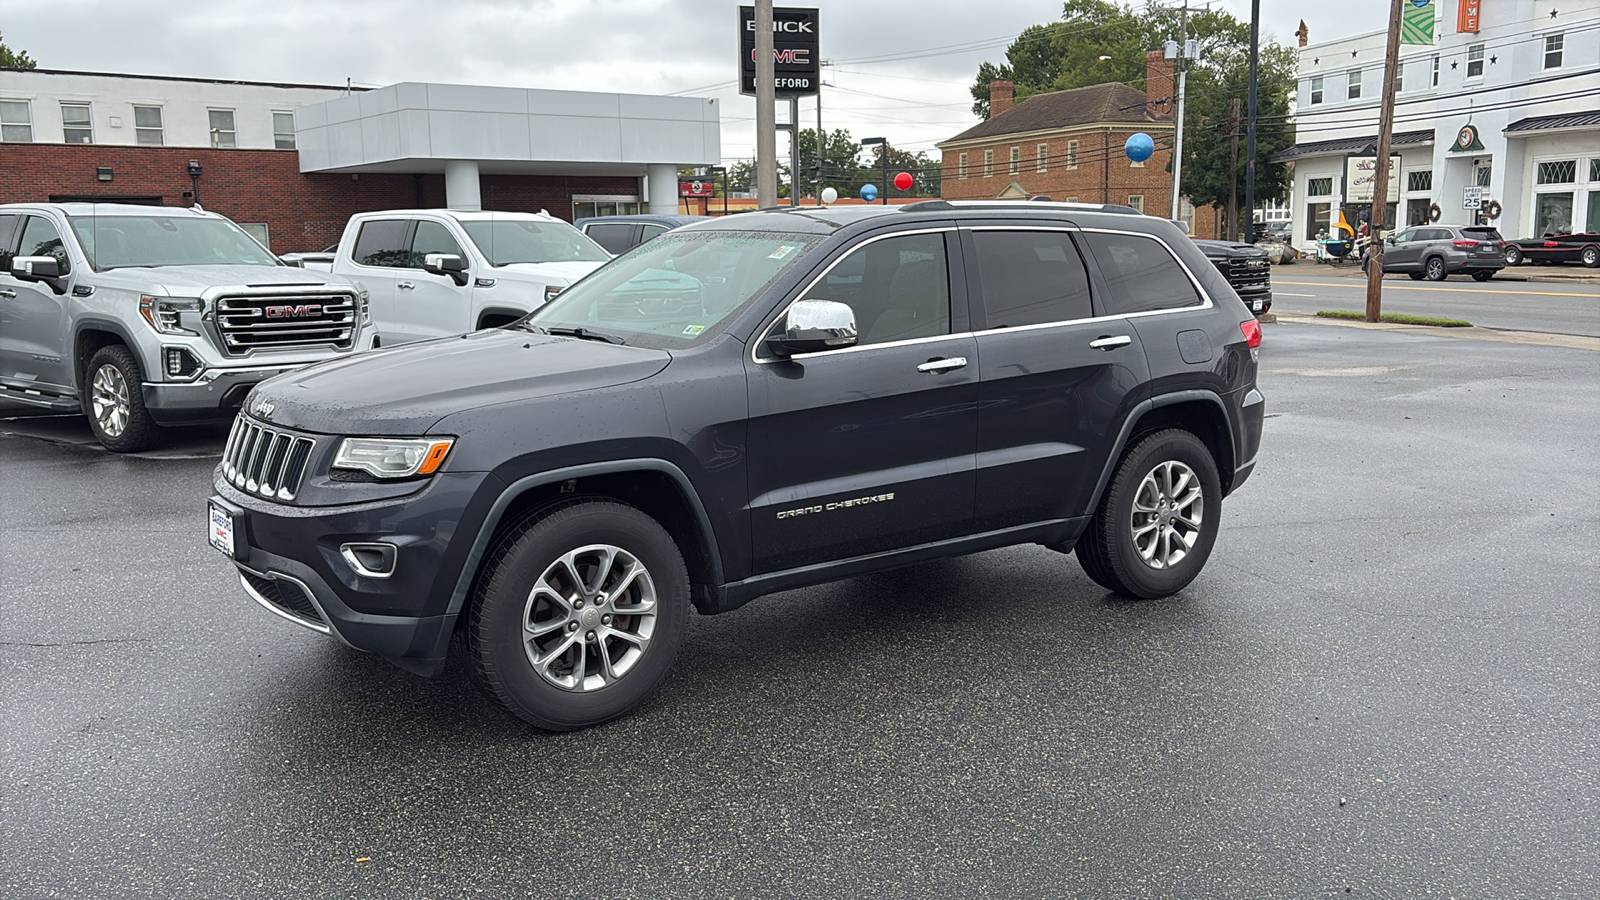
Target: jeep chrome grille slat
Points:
(265, 461)
(254, 322)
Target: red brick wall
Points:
(302, 212)
(1103, 175)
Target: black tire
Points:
(508, 596)
(1591, 256)
(1415, 276)
(1513, 255)
(1433, 269)
(1482, 275)
(114, 402)
(1108, 551)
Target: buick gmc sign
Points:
(796, 62)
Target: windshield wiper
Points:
(583, 334)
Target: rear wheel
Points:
(1158, 520)
(1482, 276)
(580, 615)
(1434, 269)
(114, 402)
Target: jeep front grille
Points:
(265, 461)
(254, 322)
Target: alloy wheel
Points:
(1167, 514)
(1591, 256)
(589, 618)
(109, 400)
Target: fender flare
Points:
(513, 314)
(491, 521)
(1132, 419)
(98, 323)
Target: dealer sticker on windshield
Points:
(693, 330)
(783, 251)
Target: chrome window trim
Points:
(761, 333)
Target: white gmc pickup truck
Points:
(437, 272)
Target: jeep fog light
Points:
(392, 457)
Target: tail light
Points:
(1465, 243)
(1252, 333)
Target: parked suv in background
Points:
(619, 234)
(746, 406)
(1247, 268)
(1436, 252)
(143, 316)
(438, 272)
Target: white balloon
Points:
(829, 195)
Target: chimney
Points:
(1158, 91)
(1000, 94)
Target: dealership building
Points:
(1497, 121)
(293, 162)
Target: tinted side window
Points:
(646, 232)
(382, 243)
(899, 288)
(1141, 274)
(39, 238)
(8, 231)
(616, 238)
(1031, 277)
(431, 237)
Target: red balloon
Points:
(903, 181)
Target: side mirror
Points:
(292, 260)
(39, 268)
(446, 264)
(813, 325)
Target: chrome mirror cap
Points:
(813, 325)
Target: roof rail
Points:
(947, 205)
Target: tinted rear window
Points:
(616, 238)
(1482, 233)
(1141, 274)
(382, 243)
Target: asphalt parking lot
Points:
(1383, 685)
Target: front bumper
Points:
(289, 560)
(218, 392)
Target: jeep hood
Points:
(192, 281)
(406, 389)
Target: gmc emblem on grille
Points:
(303, 311)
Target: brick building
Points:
(291, 163)
(1069, 145)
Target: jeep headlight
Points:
(392, 457)
(165, 314)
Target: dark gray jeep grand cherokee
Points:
(740, 407)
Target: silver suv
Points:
(144, 316)
(1436, 252)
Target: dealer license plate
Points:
(221, 532)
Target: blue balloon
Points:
(1139, 147)
(869, 192)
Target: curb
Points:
(1474, 333)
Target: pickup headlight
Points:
(393, 457)
(165, 314)
(550, 291)
(363, 301)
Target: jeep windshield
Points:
(121, 242)
(674, 292)
(504, 242)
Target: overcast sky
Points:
(635, 46)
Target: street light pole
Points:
(1250, 142)
(766, 112)
(1180, 54)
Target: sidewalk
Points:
(1568, 274)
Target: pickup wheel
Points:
(114, 403)
(1158, 519)
(579, 615)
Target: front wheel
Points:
(1434, 269)
(580, 614)
(1591, 256)
(1158, 520)
(1513, 255)
(1482, 276)
(114, 402)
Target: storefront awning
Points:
(1566, 121)
(1360, 146)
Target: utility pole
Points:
(1180, 56)
(1250, 143)
(766, 111)
(1380, 183)
(1233, 169)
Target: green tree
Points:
(14, 59)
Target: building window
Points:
(1319, 187)
(1399, 77)
(961, 167)
(1553, 214)
(1475, 61)
(1419, 180)
(1594, 170)
(1316, 90)
(1016, 159)
(147, 125)
(16, 124)
(222, 133)
(1353, 89)
(283, 130)
(1564, 171)
(257, 230)
(1553, 45)
(1072, 154)
(1136, 201)
(75, 125)
(1317, 220)
(1434, 81)
(1485, 173)
(988, 163)
(1043, 151)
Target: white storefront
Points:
(1527, 82)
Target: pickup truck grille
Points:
(265, 461)
(254, 322)
(1248, 271)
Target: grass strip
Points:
(1394, 318)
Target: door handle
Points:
(9, 295)
(1111, 342)
(406, 286)
(936, 366)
